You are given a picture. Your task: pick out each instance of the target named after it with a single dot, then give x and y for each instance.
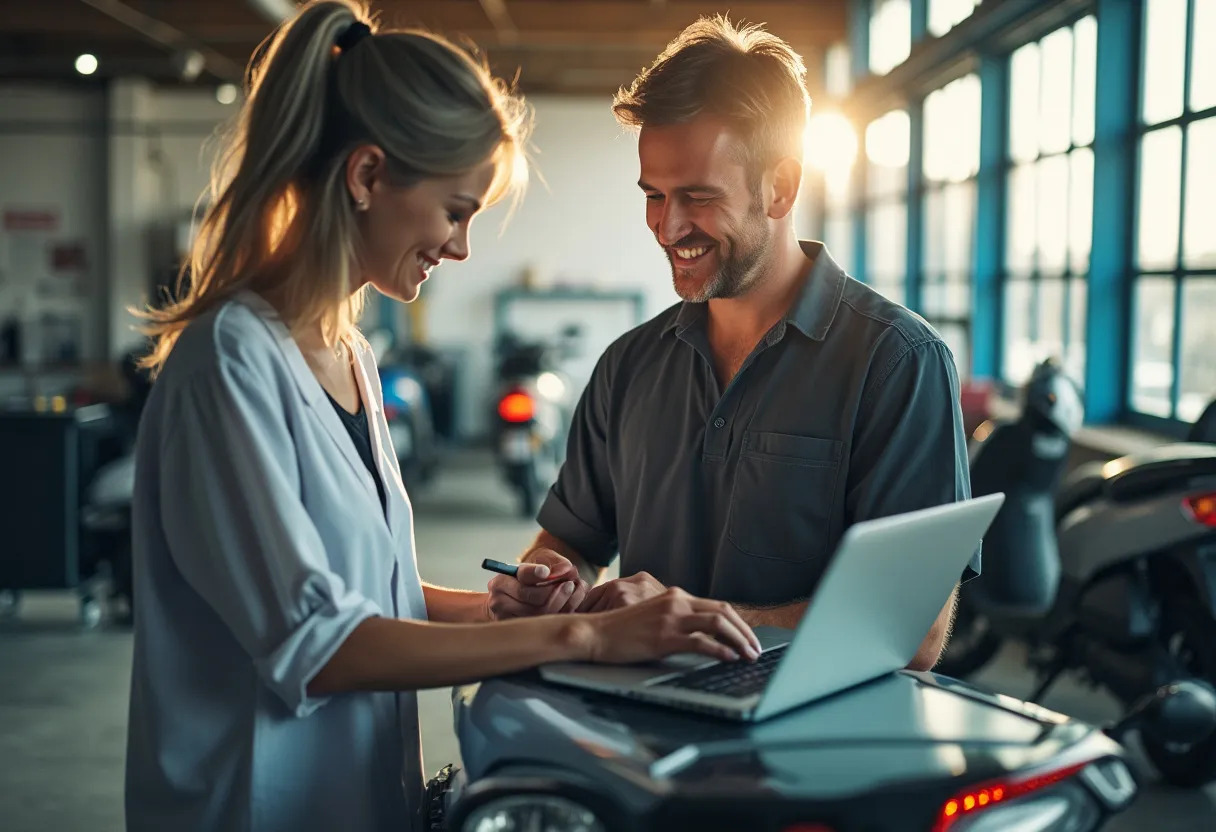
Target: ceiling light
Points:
(226, 93)
(86, 64)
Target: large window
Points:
(1049, 201)
(838, 221)
(950, 162)
(1173, 360)
(890, 34)
(886, 214)
(944, 15)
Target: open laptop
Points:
(876, 602)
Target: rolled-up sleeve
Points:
(909, 449)
(580, 509)
(239, 533)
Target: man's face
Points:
(706, 213)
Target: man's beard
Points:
(736, 274)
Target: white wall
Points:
(52, 158)
(584, 224)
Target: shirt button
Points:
(719, 422)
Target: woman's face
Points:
(408, 231)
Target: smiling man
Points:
(726, 445)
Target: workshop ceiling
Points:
(557, 46)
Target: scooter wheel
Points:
(1192, 643)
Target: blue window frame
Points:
(887, 146)
(1049, 201)
(1172, 366)
(949, 164)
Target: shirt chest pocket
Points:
(783, 504)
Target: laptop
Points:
(880, 595)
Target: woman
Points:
(281, 622)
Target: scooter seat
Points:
(1082, 485)
(1137, 475)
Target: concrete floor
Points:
(63, 692)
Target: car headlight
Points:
(532, 813)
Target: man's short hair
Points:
(747, 77)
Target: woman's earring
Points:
(361, 205)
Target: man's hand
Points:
(622, 593)
(547, 583)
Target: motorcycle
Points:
(1109, 571)
(407, 410)
(910, 751)
(532, 410)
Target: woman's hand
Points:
(547, 583)
(674, 622)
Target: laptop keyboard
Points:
(737, 679)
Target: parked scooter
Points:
(1112, 574)
(532, 411)
(407, 408)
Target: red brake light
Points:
(981, 797)
(516, 407)
(1201, 509)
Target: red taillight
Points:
(516, 407)
(1201, 509)
(978, 798)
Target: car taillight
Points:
(1201, 509)
(977, 799)
(516, 407)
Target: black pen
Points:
(511, 570)
(508, 569)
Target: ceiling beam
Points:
(504, 28)
(167, 36)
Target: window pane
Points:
(959, 226)
(1055, 123)
(887, 241)
(1164, 53)
(1051, 319)
(957, 296)
(1080, 208)
(1199, 240)
(1153, 343)
(1160, 183)
(1084, 75)
(1074, 353)
(944, 15)
(1052, 213)
(1024, 103)
(887, 147)
(951, 132)
(1018, 357)
(1197, 365)
(934, 255)
(1019, 232)
(890, 34)
(1203, 55)
(933, 295)
(838, 237)
(955, 336)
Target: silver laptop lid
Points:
(878, 599)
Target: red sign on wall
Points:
(16, 220)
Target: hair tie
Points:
(351, 35)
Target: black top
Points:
(847, 410)
(356, 426)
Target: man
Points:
(726, 445)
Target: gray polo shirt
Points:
(848, 409)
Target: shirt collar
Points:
(812, 311)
